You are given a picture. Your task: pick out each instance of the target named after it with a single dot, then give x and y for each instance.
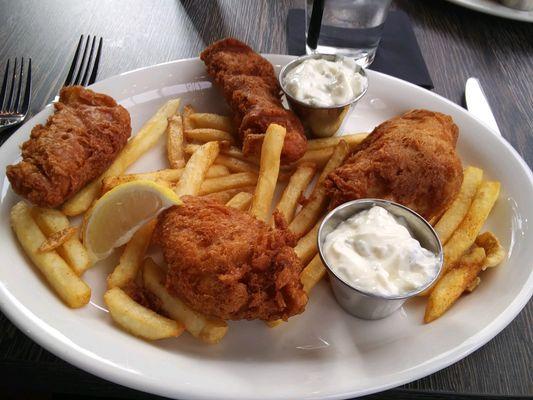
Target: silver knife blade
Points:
(477, 104)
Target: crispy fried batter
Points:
(409, 159)
(77, 143)
(252, 90)
(227, 264)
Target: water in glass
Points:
(352, 28)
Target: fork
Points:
(15, 102)
(84, 68)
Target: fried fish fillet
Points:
(409, 159)
(77, 143)
(227, 264)
(253, 93)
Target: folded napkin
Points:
(398, 53)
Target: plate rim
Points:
(513, 14)
(26, 321)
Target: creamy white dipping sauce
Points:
(373, 252)
(324, 83)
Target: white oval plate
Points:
(323, 353)
(493, 7)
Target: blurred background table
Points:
(456, 43)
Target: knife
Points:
(477, 104)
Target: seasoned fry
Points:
(231, 181)
(493, 249)
(310, 213)
(188, 110)
(204, 135)
(453, 283)
(306, 248)
(235, 164)
(175, 154)
(138, 320)
(132, 257)
(72, 250)
(241, 201)
(318, 157)
(212, 121)
(196, 169)
(352, 140)
(70, 288)
(465, 235)
(210, 330)
(226, 195)
(268, 171)
(57, 239)
(149, 134)
(298, 182)
(451, 219)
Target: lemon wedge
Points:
(117, 215)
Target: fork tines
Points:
(16, 87)
(84, 66)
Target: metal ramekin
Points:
(320, 121)
(370, 305)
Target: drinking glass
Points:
(351, 28)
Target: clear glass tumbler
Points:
(352, 28)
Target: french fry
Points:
(241, 201)
(196, 169)
(70, 288)
(310, 213)
(72, 250)
(231, 151)
(204, 135)
(175, 154)
(216, 171)
(292, 193)
(114, 181)
(57, 239)
(236, 164)
(493, 249)
(138, 320)
(132, 257)
(318, 157)
(226, 195)
(451, 219)
(465, 234)
(312, 273)
(453, 283)
(149, 134)
(188, 124)
(212, 121)
(268, 171)
(162, 175)
(231, 181)
(209, 330)
(306, 248)
(353, 140)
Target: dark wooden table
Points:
(457, 43)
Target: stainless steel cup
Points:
(356, 301)
(319, 121)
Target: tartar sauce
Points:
(325, 83)
(373, 252)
